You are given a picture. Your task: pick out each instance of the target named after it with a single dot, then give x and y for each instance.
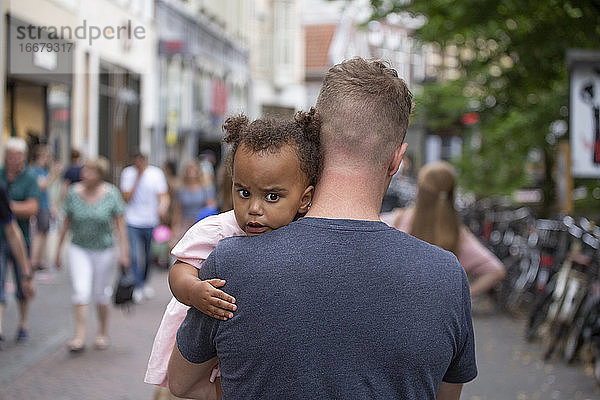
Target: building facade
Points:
(81, 73)
(204, 74)
(277, 58)
(339, 30)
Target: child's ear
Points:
(306, 199)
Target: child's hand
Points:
(211, 301)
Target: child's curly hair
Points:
(269, 134)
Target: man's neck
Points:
(347, 195)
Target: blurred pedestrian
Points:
(163, 235)
(24, 194)
(224, 187)
(91, 207)
(435, 220)
(195, 193)
(170, 170)
(207, 161)
(46, 176)
(71, 175)
(73, 171)
(145, 191)
(16, 243)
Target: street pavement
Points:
(509, 367)
(43, 368)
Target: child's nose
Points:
(255, 207)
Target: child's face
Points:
(269, 189)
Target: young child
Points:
(274, 165)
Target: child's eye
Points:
(244, 193)
(272, 197)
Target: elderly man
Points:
(16, 243)
(24, 196)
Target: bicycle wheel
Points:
(508, 284)
(514, 302)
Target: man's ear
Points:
(306, 199)
(397, 159)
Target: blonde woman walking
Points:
(91, 207)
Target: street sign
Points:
(584, 68)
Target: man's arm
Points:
(163, 204)
(26, 208)
(449, 391)
(13, 233)
(189, 380)
(44, 182)
(127, 188)
(127, 196)
(15, 240)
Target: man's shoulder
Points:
(29, 173)
(233, 245)
(128, 171)
(429, 253)
(243, 249)
(153, 169)
(28, 180)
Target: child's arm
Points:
(202, 295)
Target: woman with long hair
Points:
(435, 220)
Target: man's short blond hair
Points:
(364, 108)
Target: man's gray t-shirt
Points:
(338, 309)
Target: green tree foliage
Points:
(513, 73)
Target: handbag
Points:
(124, 287)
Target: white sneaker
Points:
(148, 292)
(138, 296)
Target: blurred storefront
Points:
(204, 75)
(118, 113)
(38, 87)
(277, 58)
(81, 74)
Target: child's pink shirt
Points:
(193, 248)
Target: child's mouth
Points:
(255, 228)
